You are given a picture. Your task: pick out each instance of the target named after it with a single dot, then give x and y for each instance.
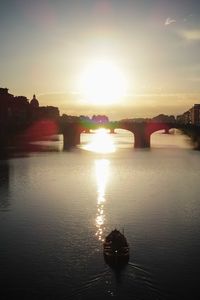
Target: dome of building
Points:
(34, 102)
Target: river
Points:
(57, 207)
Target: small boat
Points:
(116, 249)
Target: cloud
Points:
(191, 35)
(169, 21)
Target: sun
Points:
(102, 83)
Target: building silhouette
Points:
(20, 109)
(17, 113)
(192, 116)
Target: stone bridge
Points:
(141, 130)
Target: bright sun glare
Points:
(101, 142)
(102, 83)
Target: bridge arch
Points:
(174, 139)
(141, 136)
(127, 137)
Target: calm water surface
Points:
(56, 208)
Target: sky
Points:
(45, 46)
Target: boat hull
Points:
(116, 261)
(116, 250)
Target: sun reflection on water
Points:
(102, 142)
(102, 172)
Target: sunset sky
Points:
(155, 44)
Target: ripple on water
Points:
(133, 282)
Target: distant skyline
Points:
(45, 46)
